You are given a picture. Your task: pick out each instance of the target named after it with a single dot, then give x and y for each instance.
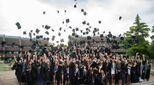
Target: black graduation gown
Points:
(147, 75)
(134, 76)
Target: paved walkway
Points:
(8, 78)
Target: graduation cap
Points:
(88, 24)
(88, 38)
(47, 32)
(65, 11)
(37, 31)
(53, 38)
(75, 6)
(73, 30)
(99, 22)
(85, 13)
(62, 40)
(18, 25)
(60, 28)
(53, 30)
(64, 30)
(120, 17)
(84, 33)
(122, 38)
(73, 34)
(101, 35)
(98, 33)
(67, 20)
(62, 22)
(70, 27)
(48, 38)
(81, 31)
(82, 10)
(57, 11)
(34, 34)
(84, 22)
(77, 29)
(76, 36)
(87, 32)
(47, 27)
(44, 12)
(59, 34)
(57, 41)
(31, 30)
(103, 32)
(24, 32)
(42, 25)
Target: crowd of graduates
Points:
(80, 66)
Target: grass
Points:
(4, 67)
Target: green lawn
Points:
(4, 67)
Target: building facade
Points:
(11, 45)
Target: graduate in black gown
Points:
(134, 70)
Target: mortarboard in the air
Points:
(88, 23)
(120, 17)
(98, 33)
(48, 38)
(84, 33)
(42, 25)
(76, 36)
(122, 38)
(70, 27)
(82, 10)
(57, 11)
(47, 27)
(75, 6)
(44, 12)
(18, 25)
(85, 13)
(59, 34)
(81, 31)
(87, 32)
(103, 31)
(37, 31)
(99, 22)
(73, 34)
(84, 22)
(65, 11)
(60, 28)
(57, 41)
(62, 40)
(46, 32)
(89, 37)
(33, 34)
(67, 20)
(53, 30)
(73, 30)
(24, 32)
(62, 22)
(31, 30)
(77, 29)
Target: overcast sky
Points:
(30, 14)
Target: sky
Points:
(30, 15)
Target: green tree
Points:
(151, 46)
(135, 38)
